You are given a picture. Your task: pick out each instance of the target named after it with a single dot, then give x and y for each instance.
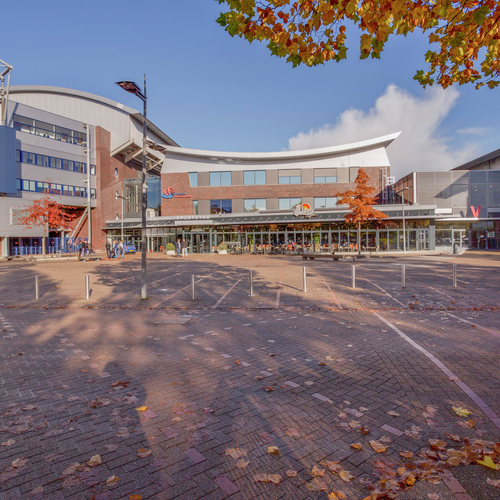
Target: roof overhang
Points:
(131, 152)
(379, 142)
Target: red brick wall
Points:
(107, 206)
(184, 206)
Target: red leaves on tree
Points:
(46, 211)
(360, 202)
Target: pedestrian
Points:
(80, 249)
(121, 249)
(108, 249)
(178, 247)
(115, 250)
(184, 247)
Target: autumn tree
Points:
(313, 32)
(48, 213)
(360, 204)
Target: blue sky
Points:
(210, 91)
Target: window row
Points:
(256, 204)
(52, 188)
(52, 162)
(43, 129)
(256, 177)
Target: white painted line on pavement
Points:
(226, 294)
(493, 332)
(480, 402)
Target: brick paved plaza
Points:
(354, 387)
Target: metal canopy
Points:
(132, 152)
(266, 219)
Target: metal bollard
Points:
(192, 287)
(87, 287)
(454, 276)
(304, 278)
(353, 276)
(250, 277)
(403, 276)
(37, 287)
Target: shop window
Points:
(289, 203)
(289, 179)
(193, 179)
(220, 178)
(221, 206)
(195, 205)
(326, 202)
(254, 205)
(254, 177)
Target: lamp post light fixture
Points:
(133, 88)
(402, 190)
(117, 196)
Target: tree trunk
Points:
(359, 238)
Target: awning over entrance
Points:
(263, 218)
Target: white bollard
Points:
(37, 287)
(304, 279)
(87, 287)
(403, 276)
(353, 277)
(454, 276)
(192, 288)
(250, 277)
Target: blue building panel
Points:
(8, 175)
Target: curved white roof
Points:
(379, 142)
(33, 95)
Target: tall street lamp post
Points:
(133, 88)
(403, 205)
(123, 208)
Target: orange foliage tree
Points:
(48, 213)
(312, 32)
(360, 204)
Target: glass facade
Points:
(133, 196)
(53, 162)
(53, 188)
(37, 127)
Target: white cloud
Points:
(418, 148)
(473, 130)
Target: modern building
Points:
(466, 200)
(255, 201)
(50, 136)
(250, 200)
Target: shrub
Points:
(222, 246)
(170, 246)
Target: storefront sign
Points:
(170, 193)
(304, 210)
(475, 211)
(192, 217)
